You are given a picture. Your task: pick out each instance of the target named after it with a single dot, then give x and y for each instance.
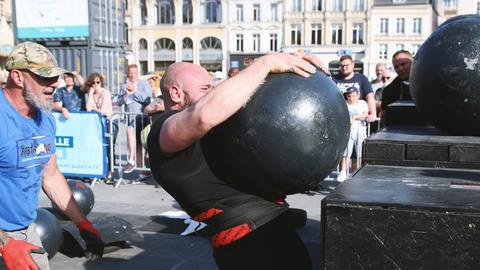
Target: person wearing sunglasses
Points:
(99, 100)
(70, 98)
(28, 162)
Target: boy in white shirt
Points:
(358, 111)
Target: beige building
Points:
(452, 8)
(162, 32)
(219, 33)
(400, 25)
(254, 29)
(329, 29)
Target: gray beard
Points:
(36, 101)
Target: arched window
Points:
(163, 53)
(211, 43)
(165, 12)
(142, 44)
(212, 11)
(164, 44)
(143, 55)
(211, 53)
(187, 11)
(187, 50)
(187, 43)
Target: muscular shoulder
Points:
(153, 137)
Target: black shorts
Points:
(275, 245)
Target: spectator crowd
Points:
(141, 100)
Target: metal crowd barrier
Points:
(117, 137)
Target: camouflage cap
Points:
(34, 57)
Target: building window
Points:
(297, 5)
(274, 12)
(478, 7)
(256, 12)
(239, 13)
(212, 10)
(384, 26)
(450, 4)
(316, 5)
(164, 44)
(127, 31)
(187, 43)
(165, 12)
(187, 11)
(143, 12)
(399, 47)
(357, 32)
(239, 43)
(337, 33)
(256, 42)
(143, 67)
(316, 34)
(415, 48)
(400, 26)
(211, 43)
(296, 35)
(337, 5)
(359, 5)
(382, 51)
(273, 42)
(142, 44)
(417, 26)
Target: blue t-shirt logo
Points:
(34, 151)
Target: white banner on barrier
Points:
(81, 144)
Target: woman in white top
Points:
(99, 99)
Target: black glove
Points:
(92, 238)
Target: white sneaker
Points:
(342, 176)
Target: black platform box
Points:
(389, 217)
(423, 147)
(403, 113)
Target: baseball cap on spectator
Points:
(35, 58)
(351, 89)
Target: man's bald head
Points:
(184, 76)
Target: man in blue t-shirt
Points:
(347, 78)
(28, 161)
(70, 98)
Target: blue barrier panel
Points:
(81, 144)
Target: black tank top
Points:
(185, 175)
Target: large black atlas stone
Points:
(49, 230)
(82, 194)
(445, 77)
(285, 140)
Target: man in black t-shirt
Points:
(347, 78)
(399, 89)
(251, 231)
